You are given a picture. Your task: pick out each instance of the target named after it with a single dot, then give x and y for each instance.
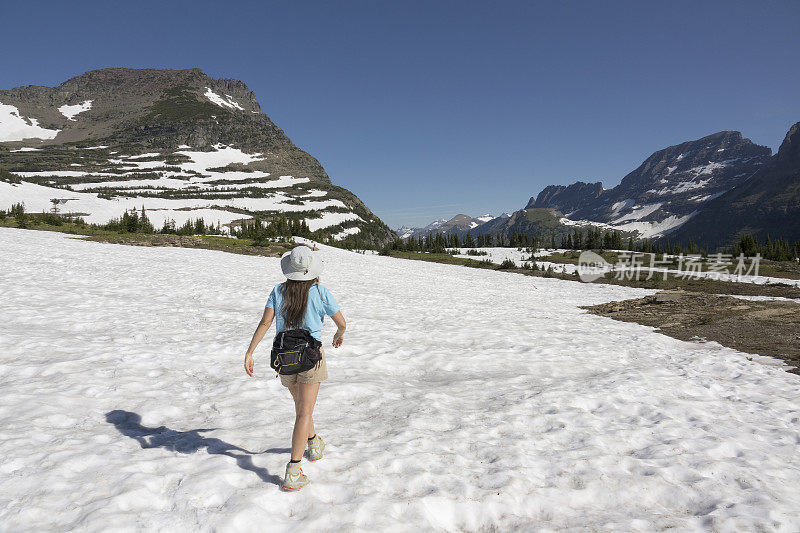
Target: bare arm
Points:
(261, 330)
(341, 325)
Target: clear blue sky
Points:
(428, 109)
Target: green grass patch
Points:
(34, 221)
(182, 104)
(442, 258)
(779, 269)
(226, 241)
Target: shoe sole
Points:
(291, 489)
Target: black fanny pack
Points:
(295, 351)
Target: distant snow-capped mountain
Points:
(709, 190)
(458, 224)
(665, 191)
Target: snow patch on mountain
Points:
(638, 212)
(345, 232)
(70, 111)
(331, 219)
(95, 209)
(646, 229)
(681, 187)
(654, 229)
(176, 183)
(26, 149)
(617, 207)
(221, 156)
(706, 197)
(226, 101)
(711, 167)
(15, 127)
(313, 193)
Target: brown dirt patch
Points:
(766, 328)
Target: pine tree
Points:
(469, 242)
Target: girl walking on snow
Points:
(300, 302)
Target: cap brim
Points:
(313, 271)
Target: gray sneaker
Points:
(315, 448)
(295, 479)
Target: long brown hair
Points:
(295, 301)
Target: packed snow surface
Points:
(14, 127)
(70, 111)
(461, 400)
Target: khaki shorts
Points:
(315, 375)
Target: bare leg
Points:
(295, 390)
(305, 397)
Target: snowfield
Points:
(462, 400)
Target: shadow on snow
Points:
(129, 424)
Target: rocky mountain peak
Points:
(149, 110)
(566, 198)
(766, 203)
(701, 156)
(459, 224)
(789, 150)
(666, 189)
(177, 140)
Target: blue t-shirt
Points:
(320, 303)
